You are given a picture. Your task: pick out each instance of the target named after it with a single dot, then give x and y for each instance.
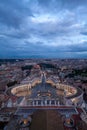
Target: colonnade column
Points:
(36, 103)
(55, 103)
(41, 103)
(45, 102)
(33, 103)
(50, 102)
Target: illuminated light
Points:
(25, 121)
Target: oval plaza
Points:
(46, 91)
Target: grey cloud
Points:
(44, 2)
(16, 35)
(82, 47)
(12, 12)
(58, 4)
(54, 30)
(79, 48)
(84, 33)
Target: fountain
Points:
(25, 122)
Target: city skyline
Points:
(43, 29)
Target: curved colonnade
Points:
(72, 95)
(23, 90)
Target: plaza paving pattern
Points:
(46, 120)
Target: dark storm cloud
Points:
(84, 33)
(80, 48)
(16, 35)
(70, 4)
(50, 25)
(12, 12)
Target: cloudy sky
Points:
(43, 28)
